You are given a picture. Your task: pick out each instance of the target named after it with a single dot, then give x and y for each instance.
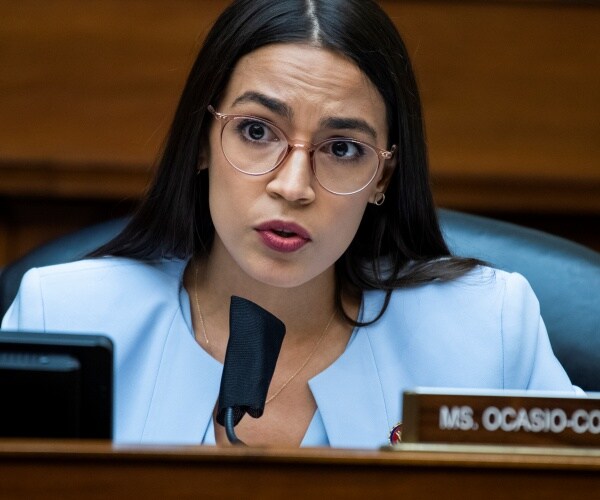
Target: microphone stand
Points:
(230, 428)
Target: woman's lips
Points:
(283, 236)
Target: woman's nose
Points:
(293, 179)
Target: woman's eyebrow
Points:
(275, 105)
(282, 109)
(349, 124)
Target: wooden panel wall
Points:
(511, 93)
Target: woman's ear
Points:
(383, 182)
(203, 159)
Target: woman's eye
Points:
(256, 131)
(345, 149)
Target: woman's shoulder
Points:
(483, 330)
(80, 292)
(482, 296)
(481, 281)
(107, 278)
(109, 267)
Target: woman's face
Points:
(282, 228)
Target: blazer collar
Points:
(186, 389)
(349, 395)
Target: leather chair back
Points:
(564, 275)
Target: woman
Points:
(294, 175)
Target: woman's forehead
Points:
(304, 79)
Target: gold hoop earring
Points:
(379, 199)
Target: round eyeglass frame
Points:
(382, 154)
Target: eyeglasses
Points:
(255, 146)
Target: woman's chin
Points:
(280, 280)
(286, 278)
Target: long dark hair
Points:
(397, 244)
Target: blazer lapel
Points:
(349, 396)
(186, 391)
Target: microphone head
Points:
(255, 338)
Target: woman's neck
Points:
(304, 309)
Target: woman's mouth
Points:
(283, 236)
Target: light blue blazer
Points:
(481, 331)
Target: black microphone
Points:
(255, 338)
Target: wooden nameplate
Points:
(527, 418)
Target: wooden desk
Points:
(97, 470)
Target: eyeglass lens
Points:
(341, 165)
